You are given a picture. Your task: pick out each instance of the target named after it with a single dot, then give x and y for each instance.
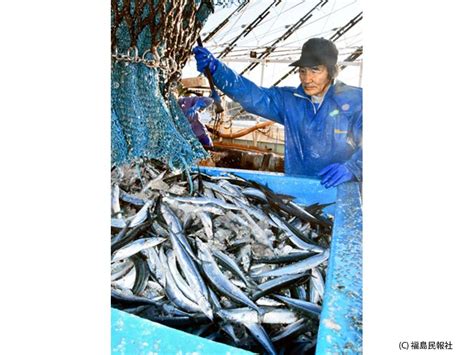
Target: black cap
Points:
(317, 51)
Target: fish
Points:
(217, 278)
(295, 239)
(278, 283)
(134, 233)
(226, 261)
(141, 215)
(261, 335)
(120, 268)
(179, 280)
(135, 247)
(201, 201)
(300, 266)
(129, 198)
(291, 330)
(142, 274)
(174, 294)
(316, 286)
(116, 211)
(221, 257)
(249, 315)
(283, 259)
(308, 308)
(192, 275)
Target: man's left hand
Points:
(335, 174)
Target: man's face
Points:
(314, 80)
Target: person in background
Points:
(191, 105)
(322, 116)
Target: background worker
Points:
(322, 117)
(191, 106)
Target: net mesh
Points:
(151, 42)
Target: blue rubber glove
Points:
(204, 59)
(335, 174)
(191, 112)
(200, 103)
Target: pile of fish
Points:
(220, 257)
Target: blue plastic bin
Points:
(340, 329)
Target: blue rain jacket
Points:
(315, 135)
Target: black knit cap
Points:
(317, 51)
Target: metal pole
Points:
(261, 75)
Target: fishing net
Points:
(151, 42)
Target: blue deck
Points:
(340, 329)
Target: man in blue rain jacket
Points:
(322, 116)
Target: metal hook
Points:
(135, 54)
(151, 63)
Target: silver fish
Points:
(215, 187)
(308, 308)
(291, 329)
(316, 286)
(297, 241)
(176, 296)
(135, 247)
(141, 215)
(222, 283)
(120, 269)
(174, 224)
(297, 267)
(180, 282)
(192, 275)
(207, 223)
(230, 264)
(154, 264)
(115, 201)
(202, 201)
(248, 315)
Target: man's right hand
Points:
(204, 59)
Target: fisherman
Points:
(191, 107)
(322, 116)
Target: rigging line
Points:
(327, 18)
(271, 26)
(351, 41)
(225, 22)
(287, 34)
(278, 28)
(352, 57)
(230, 44)
(237, 20)
(249, 28)
(345, 38)
(319, 35)
(318, 19)
(263, 47)
(223, 38)
(346, 27)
